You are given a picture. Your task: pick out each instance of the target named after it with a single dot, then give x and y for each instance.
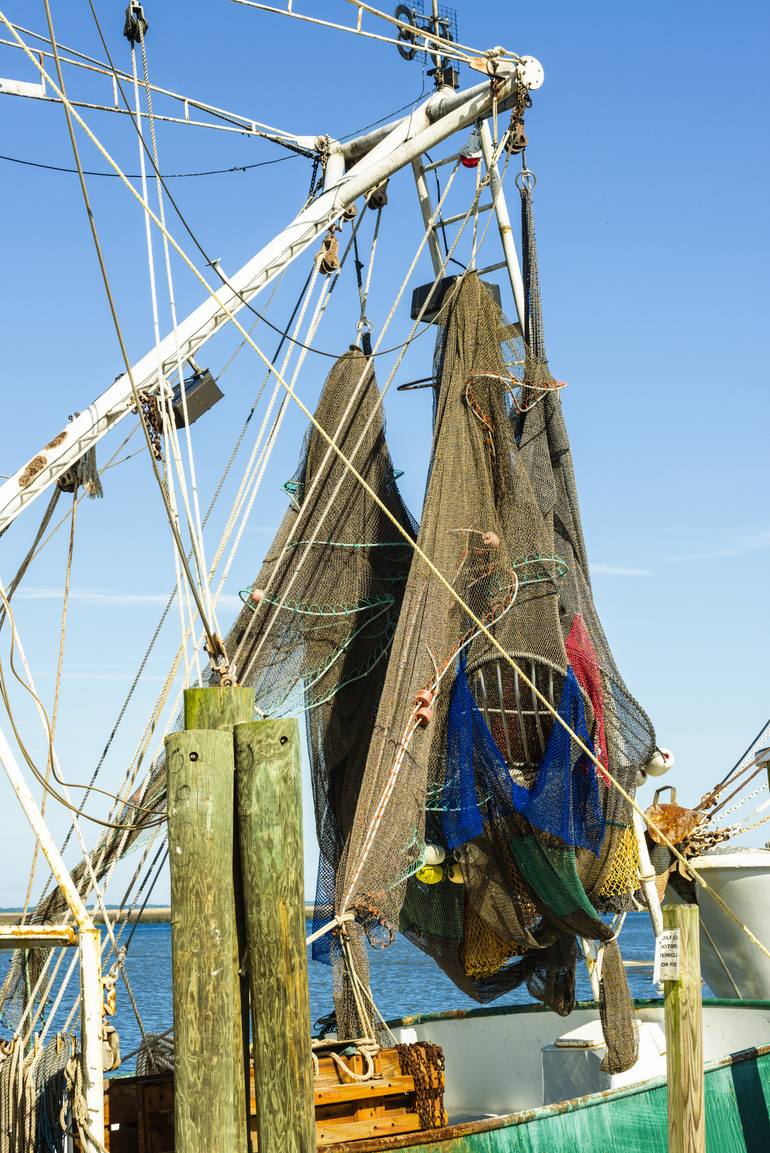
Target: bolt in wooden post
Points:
(684, 1036)
(268, 785)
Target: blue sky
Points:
(649, 144)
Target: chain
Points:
(153, 419)
(424, 1062)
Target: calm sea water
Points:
(404, 981)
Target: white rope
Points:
(180, 584)
(418, 552)
(258, 472)
(297, 567)
(329, 927)
(196, 532)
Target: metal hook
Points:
(525, 180)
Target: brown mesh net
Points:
(319, 621)
(464, 755)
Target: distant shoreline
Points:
(152, 915)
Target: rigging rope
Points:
(660, 835)
(156, 329)
(56, 695)
(196, 529)
(316, 479)
(214, 643)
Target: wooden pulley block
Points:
(330, 255)
(517, 140)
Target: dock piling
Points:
(684, 1030)
(209, 1042)
(268, 784)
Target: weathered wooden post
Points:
(223, 707)
(270, 822)
(209, 1081)
(680, 969)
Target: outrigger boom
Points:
(352, 170)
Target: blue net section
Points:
(564, 800)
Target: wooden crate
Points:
(139, 1111)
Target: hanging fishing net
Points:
(319, 621)
(313, 636)
(482, 830)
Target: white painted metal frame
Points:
(89, 943)
(428, 126)
(498, 204)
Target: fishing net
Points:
(466, 762)
(313, 636)
(319, 621)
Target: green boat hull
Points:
(628, 1120)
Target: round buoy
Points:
(659, 763)
(455, 874)
(433, 855)
(430, 874)
(256, 596)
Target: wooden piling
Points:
(209, 1109)
(684, 1035)
(270, 824)
(218, 707)
(221, 707)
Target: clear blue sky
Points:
(650, 146)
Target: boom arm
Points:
(438, 118)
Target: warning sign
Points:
(666, 966)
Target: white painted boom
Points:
(429, 125)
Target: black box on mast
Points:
(435, 295)
(201, 393)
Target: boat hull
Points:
(731, 963)
(633, 1119)
(619, 1121)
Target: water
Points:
(404, 981)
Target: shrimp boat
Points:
(473, 749)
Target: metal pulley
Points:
(470, 153)
(135, 27)
(517, 138)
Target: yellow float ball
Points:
(430, 874)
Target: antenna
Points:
(441, 21)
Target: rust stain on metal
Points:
(57, 440)
(35, 466)
(36, 936)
